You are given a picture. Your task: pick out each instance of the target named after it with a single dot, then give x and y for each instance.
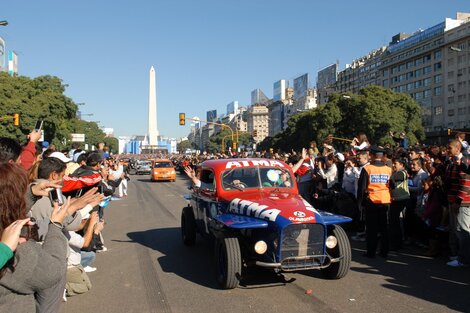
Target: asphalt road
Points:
(148, 269)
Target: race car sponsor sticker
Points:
(299, 214)
(253, 209)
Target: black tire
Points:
(343, 249)
(228, 262)
(188, 227)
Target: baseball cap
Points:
(60, 156)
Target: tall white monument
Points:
(152, 130)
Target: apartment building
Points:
(258, 122)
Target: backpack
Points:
(77, 281)
(401, 191)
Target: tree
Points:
(375, 111)
(184, 145)
(42, 98)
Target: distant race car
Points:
(253, 210)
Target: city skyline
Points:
(208, 54)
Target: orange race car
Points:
(163, 170)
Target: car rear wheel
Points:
(229, 262)
(342, 250)
(188, 227)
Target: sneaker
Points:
(64, 296)
(456, 263)
(89, 269)
(102, 249)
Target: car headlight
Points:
(331, 242)
(173, 172)
(261, 247)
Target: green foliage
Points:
(375, 111)
(185, 144)
(215, 142)
(42, 98)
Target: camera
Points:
(55, 195)
(30, 231)
(38, 126)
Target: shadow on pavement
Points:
(197, 263)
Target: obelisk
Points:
(152, 130)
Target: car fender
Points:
(240, 222)
(331, 219)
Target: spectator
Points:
(34, 267)
(400, 196)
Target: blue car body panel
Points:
(240, 222)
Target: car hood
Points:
(279, 207)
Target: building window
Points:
(409, 64)
(437, 54)
(418, 83)
(418, 61)
(427, 93)
(438, 110)
(462, 111)
(419, 72)
(437, 78)
(450, 100)
(385, 83)
(450, 74)
(450, 61)
(385, 73)
(438, 91)
(428, 81)
(427, 70)
(451, 88)
(418, 95)
(437, 66)
(409, 86)
(450, 112)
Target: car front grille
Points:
(302, 245)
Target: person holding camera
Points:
(9, 240)
(34, 267)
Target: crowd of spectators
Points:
(51, 220)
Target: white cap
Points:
(60, 156)
(76, 155)
(340, 156)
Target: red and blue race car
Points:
(253, 210)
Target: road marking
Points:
(450, 281)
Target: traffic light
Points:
(182, 119)
(449, 130)
(255, 133)
(16, 119)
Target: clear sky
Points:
(206, 53)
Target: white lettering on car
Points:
(253, 209)
(251, 163)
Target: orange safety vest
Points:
(378, 188)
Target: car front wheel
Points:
(342, 251)
(229, 262)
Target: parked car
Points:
(163, 170)
(143, 167)
(253, 211)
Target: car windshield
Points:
(162, 164)
(256, 177)
(145, 163)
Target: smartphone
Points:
(55, 195)
(38, 126)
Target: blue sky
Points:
(207, 53)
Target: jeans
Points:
(463, 234)
(88, 257)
